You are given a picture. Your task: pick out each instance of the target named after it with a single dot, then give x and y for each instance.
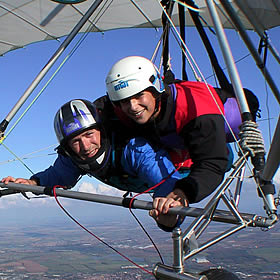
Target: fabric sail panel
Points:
(26, 21)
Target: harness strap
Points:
(166, 29)
(263, 45)
(183, 37)
(223, 80)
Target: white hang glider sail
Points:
(26, 21)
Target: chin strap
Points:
(157, 105)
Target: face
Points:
(86, 144)
(139, 107)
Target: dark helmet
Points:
(72, 119)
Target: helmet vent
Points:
(76, 110)
(152, 79)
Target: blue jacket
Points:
(143, 167)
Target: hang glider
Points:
(23, 22)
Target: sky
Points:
(83, 76)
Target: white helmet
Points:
(132, 75)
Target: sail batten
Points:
(23, 21)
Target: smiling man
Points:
(88, 146)
(185, 117)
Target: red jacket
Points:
(190, 123)
(191, 100)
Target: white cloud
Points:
(18, 200)
(15, 200)
(99, 189)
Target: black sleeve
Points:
(104, 106)
(116, 130)
(106, 112)
(206, 142)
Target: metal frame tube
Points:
(257, 27)
(239, 186)
(165, 272)
(178, 264)
(214, 200)
(220, 215)
(273, 158)
(242, 32)
(214, 241)
(50, 63)
(224, 45)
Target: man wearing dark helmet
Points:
(87, 147)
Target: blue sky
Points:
(83, 76)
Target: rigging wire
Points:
(90, 21)
(224, 14)
(94, 235)
(268, 112)
(45, 86)
(130, 209)
(195, 69)
(263, 45)
(215, 77)
(147, 191)
(236, 61)
(156, 185)
(143, 14)
(39, 94)
(11, 11)
(194, 66)
(27, 156)
(189, 55)
(72, 51)
(148, 235)
(100, 13)
(58, 70)
(189, 7)
(19, 159)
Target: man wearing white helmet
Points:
(183, 118)
(86, 146)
